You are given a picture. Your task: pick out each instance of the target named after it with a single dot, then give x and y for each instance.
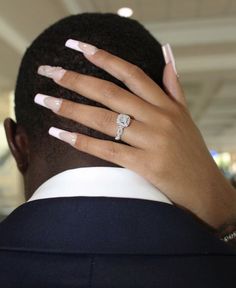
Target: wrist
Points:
(228, 209)
(219, 206)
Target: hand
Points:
(165, 146)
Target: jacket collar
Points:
(106, 226)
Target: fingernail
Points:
(63, 135)
(54, 72)
(81, 47)
(169, 56)
(50, 102)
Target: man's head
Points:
(38, 155)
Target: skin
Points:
(165, 145)
(34, 166)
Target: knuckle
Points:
(134, 72)
(155, 138)
(106, 119)
(104, 57)
(82, 143)
(168, 122)
(68, 109)
(109, 90)
(71, 79)
(64, 109)
(110, 151)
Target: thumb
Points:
(170, 77)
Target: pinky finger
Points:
(120, 154)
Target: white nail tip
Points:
(166, 52)
(39, 99)
(73, 44)
(169, 56)
(55, 132)
(50, 102)
(63, 135)
(81, 47)
(53, 72)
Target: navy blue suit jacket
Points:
(110, 242)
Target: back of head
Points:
(123, 37)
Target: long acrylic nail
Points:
(63, 135)
(54, 72)
(50, 102)
(169, 56)
(81, 47)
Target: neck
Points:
(41, 170)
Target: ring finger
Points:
(99, 119)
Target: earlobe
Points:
(18, 143)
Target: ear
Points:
(18, 143)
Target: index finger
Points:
(131, 75)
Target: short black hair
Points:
(121, 36)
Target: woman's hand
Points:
(165, 145)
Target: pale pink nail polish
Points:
(63, 135)
(81, 47)
(54, 72)
(50, 102)
(169, 56)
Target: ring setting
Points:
(122, 121)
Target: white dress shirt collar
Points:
(99, 182)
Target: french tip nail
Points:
(53, 131)
(169, 56)
(40, 70)
(54, 72)
(68, 42)
(39, 99)
(165, 49)
(63, 135)
(49, 102)
(73, 44)
(85, 48)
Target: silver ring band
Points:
(122, 121)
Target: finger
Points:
(172, 85)
(102, 91)
(170, 77)
(117, 153)
(131, 75)
(97, 118)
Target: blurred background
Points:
(202, 34)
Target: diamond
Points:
(123, 120)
